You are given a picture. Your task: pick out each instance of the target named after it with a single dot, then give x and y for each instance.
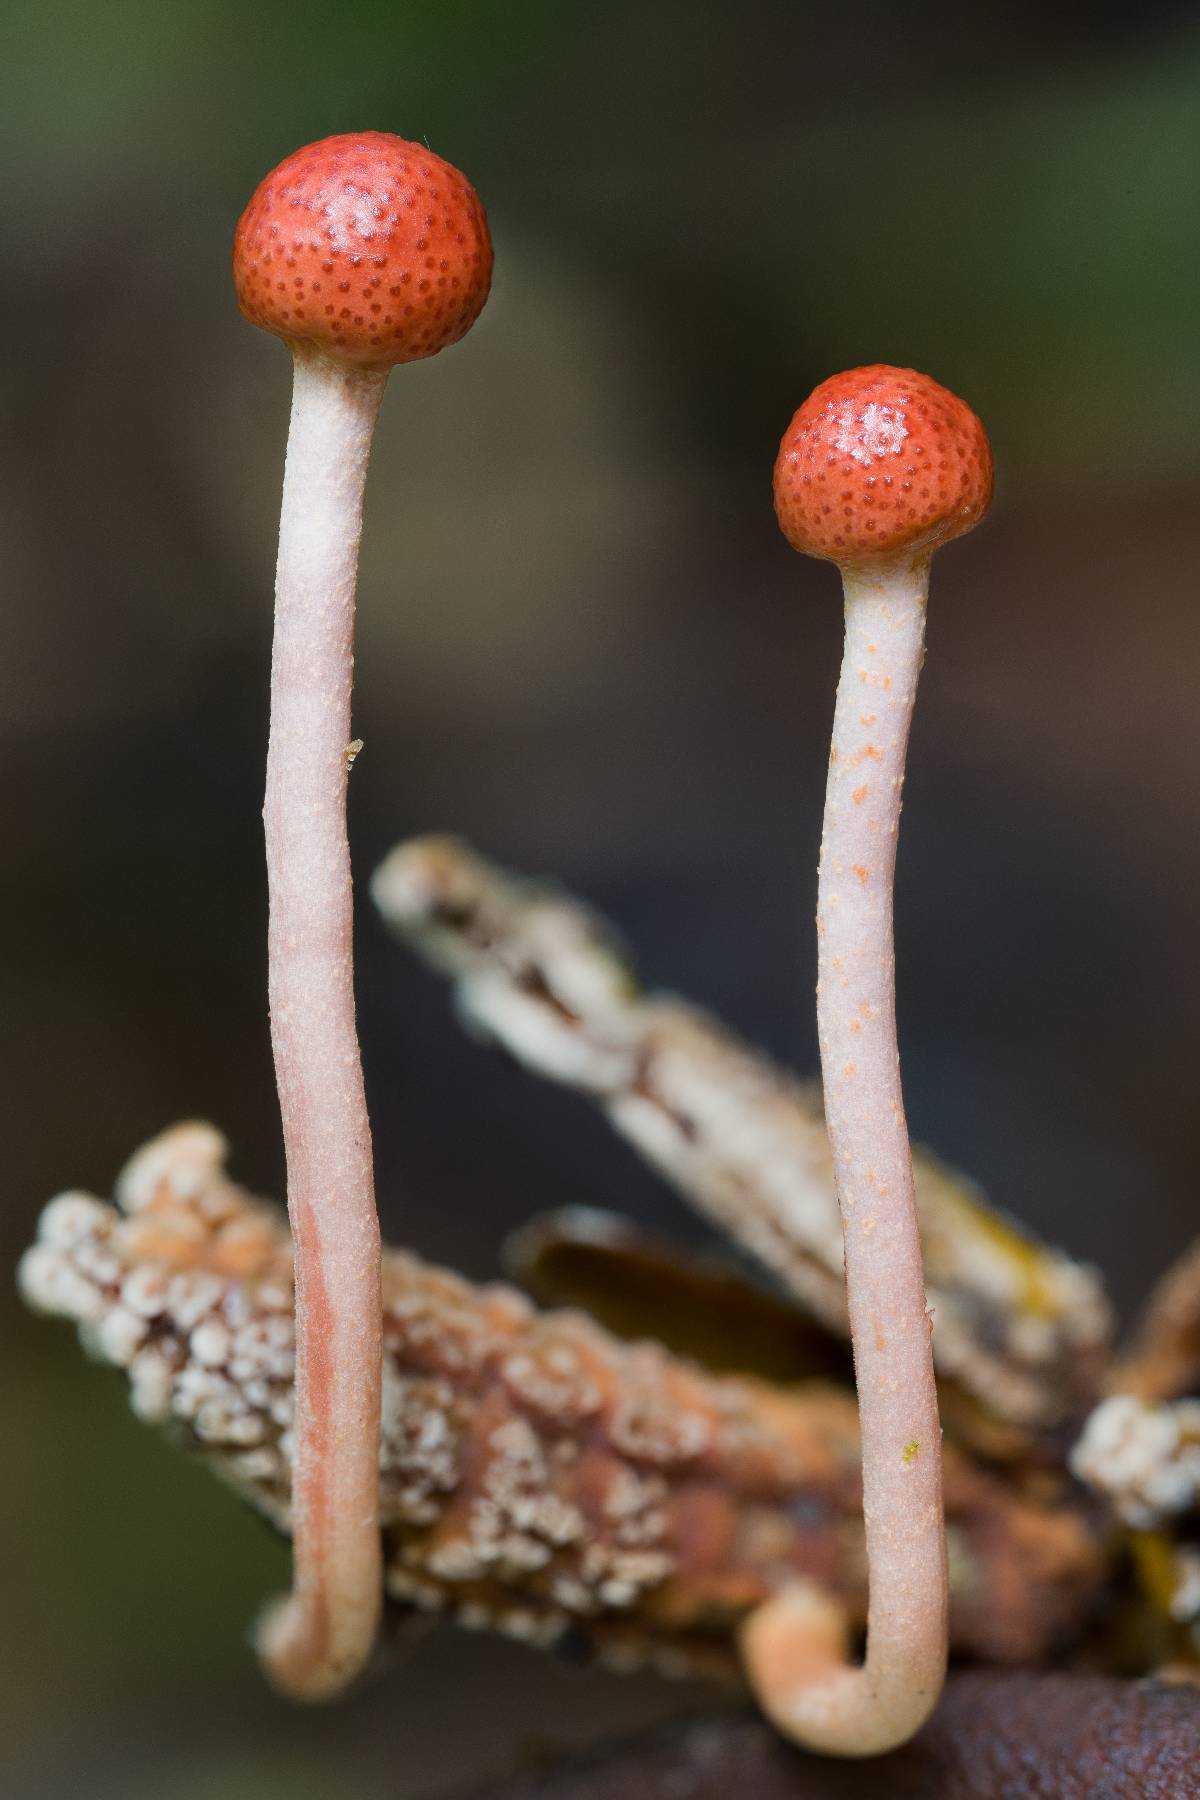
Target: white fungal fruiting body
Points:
(317, 1639)
(850, 1710)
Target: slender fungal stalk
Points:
(877, 468)
(868, 1709)
(360, 251)
(864, 1106)
(314, 1641)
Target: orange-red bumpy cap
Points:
(366, 247)
(880, 461)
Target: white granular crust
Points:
(1144, 1457)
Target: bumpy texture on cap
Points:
(371, 249)
(878, 461)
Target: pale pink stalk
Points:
(360, 251)
(869, 1709)
(878, 467)
(320, 1636)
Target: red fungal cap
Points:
(371, 249)
(878, 461)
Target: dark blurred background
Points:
(583, 644)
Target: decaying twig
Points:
(1140, 1450)
(537, 1475)
(1162, 1359)
(1022, 1328)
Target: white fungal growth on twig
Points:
(1144, 1457)
(535, 1475)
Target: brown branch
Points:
(1162, 1359)
(538, 1475)
(1022, 1328)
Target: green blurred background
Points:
(584, 644)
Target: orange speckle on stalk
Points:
(877, 468)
